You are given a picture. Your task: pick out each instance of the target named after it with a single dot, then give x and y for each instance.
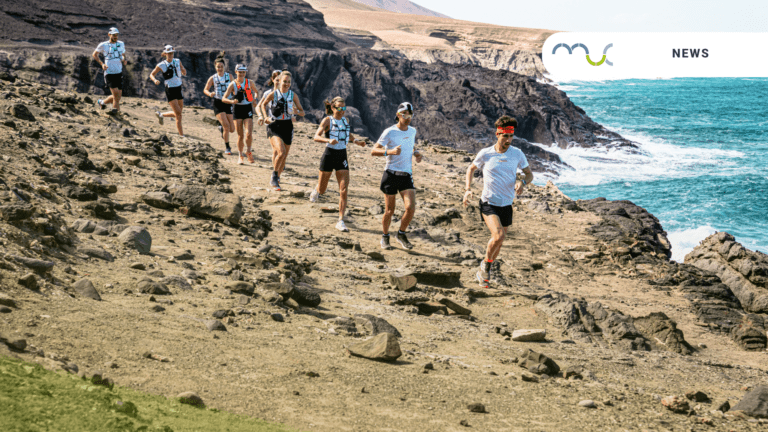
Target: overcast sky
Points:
(612, 15)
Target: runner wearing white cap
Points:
(397, 145)
(242, 94)
(172, 70)
(499, 164)
(113, 51)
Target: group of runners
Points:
(236, 103)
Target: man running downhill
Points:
(113, 51)
(500, 185)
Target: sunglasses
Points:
(340, 108)
(406, 116)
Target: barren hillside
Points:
(432, 39)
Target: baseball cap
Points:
(405, 106)
(114, 30)
(169, 49)
(241, 67)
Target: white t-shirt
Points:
(176, 80)
(499, 174)
(393, 137)
(113, 56)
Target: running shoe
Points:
(403, 240)
(275, 182)
(100, 104)
(341, 226)
(250, 157)
(228, 151)
(159, 116)
(314, 196)
(385, 243)
(484, 275)
(240, 160)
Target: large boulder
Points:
(663, 332)
(136, 237)
(754, 403)
(208, 203)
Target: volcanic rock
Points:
(208, 203)
(85, 288)
(375, 325)
(381, 347)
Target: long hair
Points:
(219, 58)
(329, 105)
(272, 81)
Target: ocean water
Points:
(703, 161)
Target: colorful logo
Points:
(586, 51)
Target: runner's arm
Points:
(468, 183)
(153, 73)
(183, 71)
(260, 109)
(361, 143)
(225, 97)
(263, 104)
(96, 57)
(207, 88)
(297, 104)
(324, 125)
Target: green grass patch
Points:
(34, 399)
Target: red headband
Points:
(506, 130)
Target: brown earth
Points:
(298, 371)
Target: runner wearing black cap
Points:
(397, 145)
(242, 94)
(499, 163)
(335, 132)
(223, 112)
(280, 125)
(172, 70)
(113, 51)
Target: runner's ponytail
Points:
(329, 105)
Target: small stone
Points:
(157, 308)
(137, 266)
(677, 404)
(136, 237)
(215, 325)
(452, 305)
(240, 287)
(277, 317)
(305, 295)
(191, 398)
(17, 345)
(243, 300)
(402, 282)
(529, 335)
(476, 408)
(85, 288)
(525, 376)
(381, 347)
(429, 366)
(29, 280)
(697, 396)
(587, 403)
(5, 309)
(464, 423)
(722, 406)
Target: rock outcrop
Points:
(745, 272)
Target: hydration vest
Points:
(338, 130)
(221, 84)
(246, 89)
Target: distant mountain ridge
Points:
(402, 6)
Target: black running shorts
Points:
(334, 160)
(282, 129)
(391, 183)
(243, 112)
(504, 213)
(114, 81)
(173, 93)
(221, 107)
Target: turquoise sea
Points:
(703, 162)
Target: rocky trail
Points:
(163, 265)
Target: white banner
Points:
(599, 56)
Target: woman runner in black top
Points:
(172, 70)
(335, 132)
(223, 112)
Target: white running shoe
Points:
(159, 116)
(314, 196)
(240, 161)
(341, 226)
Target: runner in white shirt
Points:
(113, 51)
(172, 70)
(397, 145)
(499, 164)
